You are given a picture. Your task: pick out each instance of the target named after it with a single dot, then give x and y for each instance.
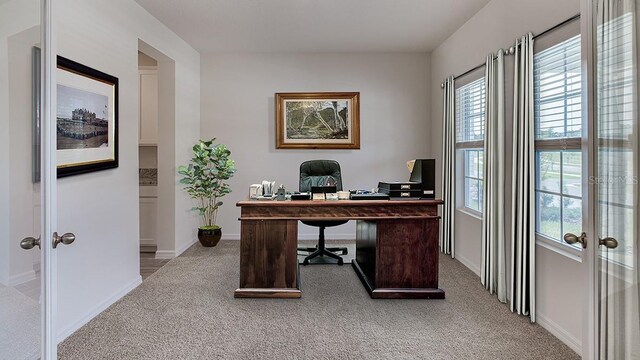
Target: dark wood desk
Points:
(396, 246)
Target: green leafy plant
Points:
(204, 179)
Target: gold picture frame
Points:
(321, 120)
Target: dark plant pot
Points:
(209, 237)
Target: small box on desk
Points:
(408, 190)
(324, 192)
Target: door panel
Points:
(21, 302)
(615, 32)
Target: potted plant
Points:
(204, 179)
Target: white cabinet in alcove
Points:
(148, 216)
(148, 78)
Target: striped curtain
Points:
(493, 275)
(523, 255)
(447, 243)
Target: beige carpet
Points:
(19, 325)
(186, 310)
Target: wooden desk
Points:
(396, 246)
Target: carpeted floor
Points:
(186, 310)
(19, 325)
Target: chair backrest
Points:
(320, 173)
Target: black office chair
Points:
(321, 173)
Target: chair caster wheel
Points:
(305, 262)
(340, 262)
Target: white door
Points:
(615, 28)
(27, 182)
(612, 329)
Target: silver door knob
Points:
(609, 242)
(29, 243)
(570, 238)
(65, 239)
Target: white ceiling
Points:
(313, 25)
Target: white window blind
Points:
(470, 100)
(557, 91)
(558, 116)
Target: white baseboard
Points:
(65, 333)
(184, 247)
(300, 236)
(473, 267)
(21, 278)
(556, 330)
(170, 254)
(147, 242)
(165, 254)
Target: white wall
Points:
(101, 208)
(496, 26)
(238, 109)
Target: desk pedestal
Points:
(269, 259)
(398, 259)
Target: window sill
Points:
(470, 212)
(560, 248)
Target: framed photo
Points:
(86, 119)
(329, 120)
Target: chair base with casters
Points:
(321, 250)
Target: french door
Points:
(28, 182)
(612, 306)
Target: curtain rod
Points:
(511, 50)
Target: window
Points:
(470, 100)
(473, 179)
(558, 132)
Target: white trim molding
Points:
(563, 249)
(21, 278)
(556, 330)
(468, 263)
(147, 242)
(65, 333)
(170, 254)
(165, 254)
(184, 247)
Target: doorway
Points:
(148, 164)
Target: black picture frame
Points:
(86, 165)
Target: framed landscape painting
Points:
(86, 119)
(329, 120)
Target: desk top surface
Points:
(347, 203)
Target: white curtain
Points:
(493, 275)
(447, 243)
(523, 256)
